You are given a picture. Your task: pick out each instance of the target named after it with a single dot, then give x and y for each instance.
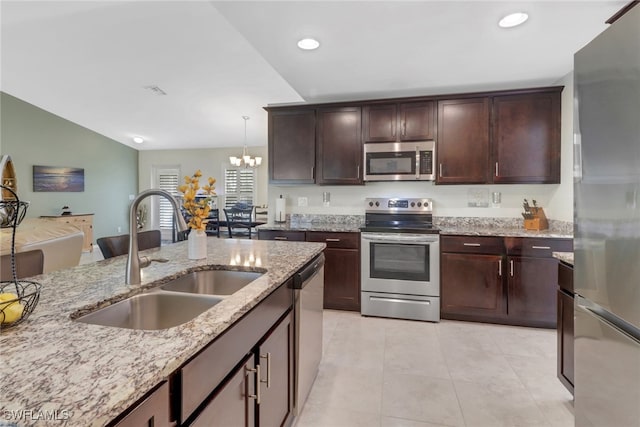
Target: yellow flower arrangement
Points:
(197, 209)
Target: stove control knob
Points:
(370, 203)
(413, 204)
(377, 204)
(419, 204)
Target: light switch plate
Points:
(303, 201)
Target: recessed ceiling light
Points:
(138, 139)
(513, 20)
(308, 44)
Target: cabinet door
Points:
(233, 404)
(532, 290)
(565, 339)
(292, 136)
(339, 156)
(526, 138)
(276, 382)
(379, 123)
(472, 286)
(154, 410)
(417, 121)
(463, 141)
(342, 279)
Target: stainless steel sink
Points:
(212, 282)
(151, 311)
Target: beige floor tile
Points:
(466, 336)
(500, 403)
(532, 366)
(347, 388)
(420, 356)
(321, 416)
(421, 398)
(358, 351)
(526, 341)
(480, 367)
(401, 422)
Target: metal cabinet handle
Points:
(471, 244)
(268, 380)
(280, 238)
(500, 268)
(540, 247)
(358, 175)
(404, 128)
(511, 267)
(331, 240)
(440, 167)
(497, 174)
(257, 372)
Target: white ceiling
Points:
(90, 61)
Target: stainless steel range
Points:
(400, 263)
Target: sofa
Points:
(60, 243)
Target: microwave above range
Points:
(399, 161)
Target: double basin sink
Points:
(174, 303)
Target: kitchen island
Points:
(83, 375)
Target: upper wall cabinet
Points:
(292, 146)
(526, 138)
(407, 121)
(463, 141)
(339, 146)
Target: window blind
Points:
(239, 186)
(168, 182)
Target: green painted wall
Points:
(32, 136)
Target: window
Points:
(167, 179)
(239, 186)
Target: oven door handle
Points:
(399, 238)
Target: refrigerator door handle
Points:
(610, 319)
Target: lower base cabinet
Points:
(152, 411)
(565, 326)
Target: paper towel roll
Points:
(281, 210)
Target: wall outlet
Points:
(132, 196)
(303, 201)
(119, 229)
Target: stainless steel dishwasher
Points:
(308, 301)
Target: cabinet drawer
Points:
(472, 244)
(565, 278)
(206, 371)
(335, 240)
(293, 236)
(537, 247)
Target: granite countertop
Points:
(94, 373)
(566, 257)
(312, 226)
(503, 232)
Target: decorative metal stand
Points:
(12, 212)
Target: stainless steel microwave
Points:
(399, 161)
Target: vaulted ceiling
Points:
(96, 63)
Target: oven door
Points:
(400, 263)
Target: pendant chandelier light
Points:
(245, 159)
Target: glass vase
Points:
(197, 244)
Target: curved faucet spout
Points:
(133, 260)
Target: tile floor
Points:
(397, 373)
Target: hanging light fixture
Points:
(246, 159)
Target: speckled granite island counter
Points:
(90, 374)
(566, 257)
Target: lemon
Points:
(7, 296)
(12, 312)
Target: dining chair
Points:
(29, 263)
(239, 221)
(119, 245)
(213, 223)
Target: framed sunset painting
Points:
(58, 178)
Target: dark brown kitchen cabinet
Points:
(472, 286)
(462, 147)
(519, 271)
(152, 411)
(407, 121)
(292, 146)
(232, 404)
(526, 138)
(339, 146)
(565, 326)
(342, 269)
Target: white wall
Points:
(451, 200)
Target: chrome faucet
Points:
(134, 263)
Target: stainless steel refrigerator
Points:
(607, 227)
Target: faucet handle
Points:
(146, 261)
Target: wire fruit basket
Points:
(18, 298)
